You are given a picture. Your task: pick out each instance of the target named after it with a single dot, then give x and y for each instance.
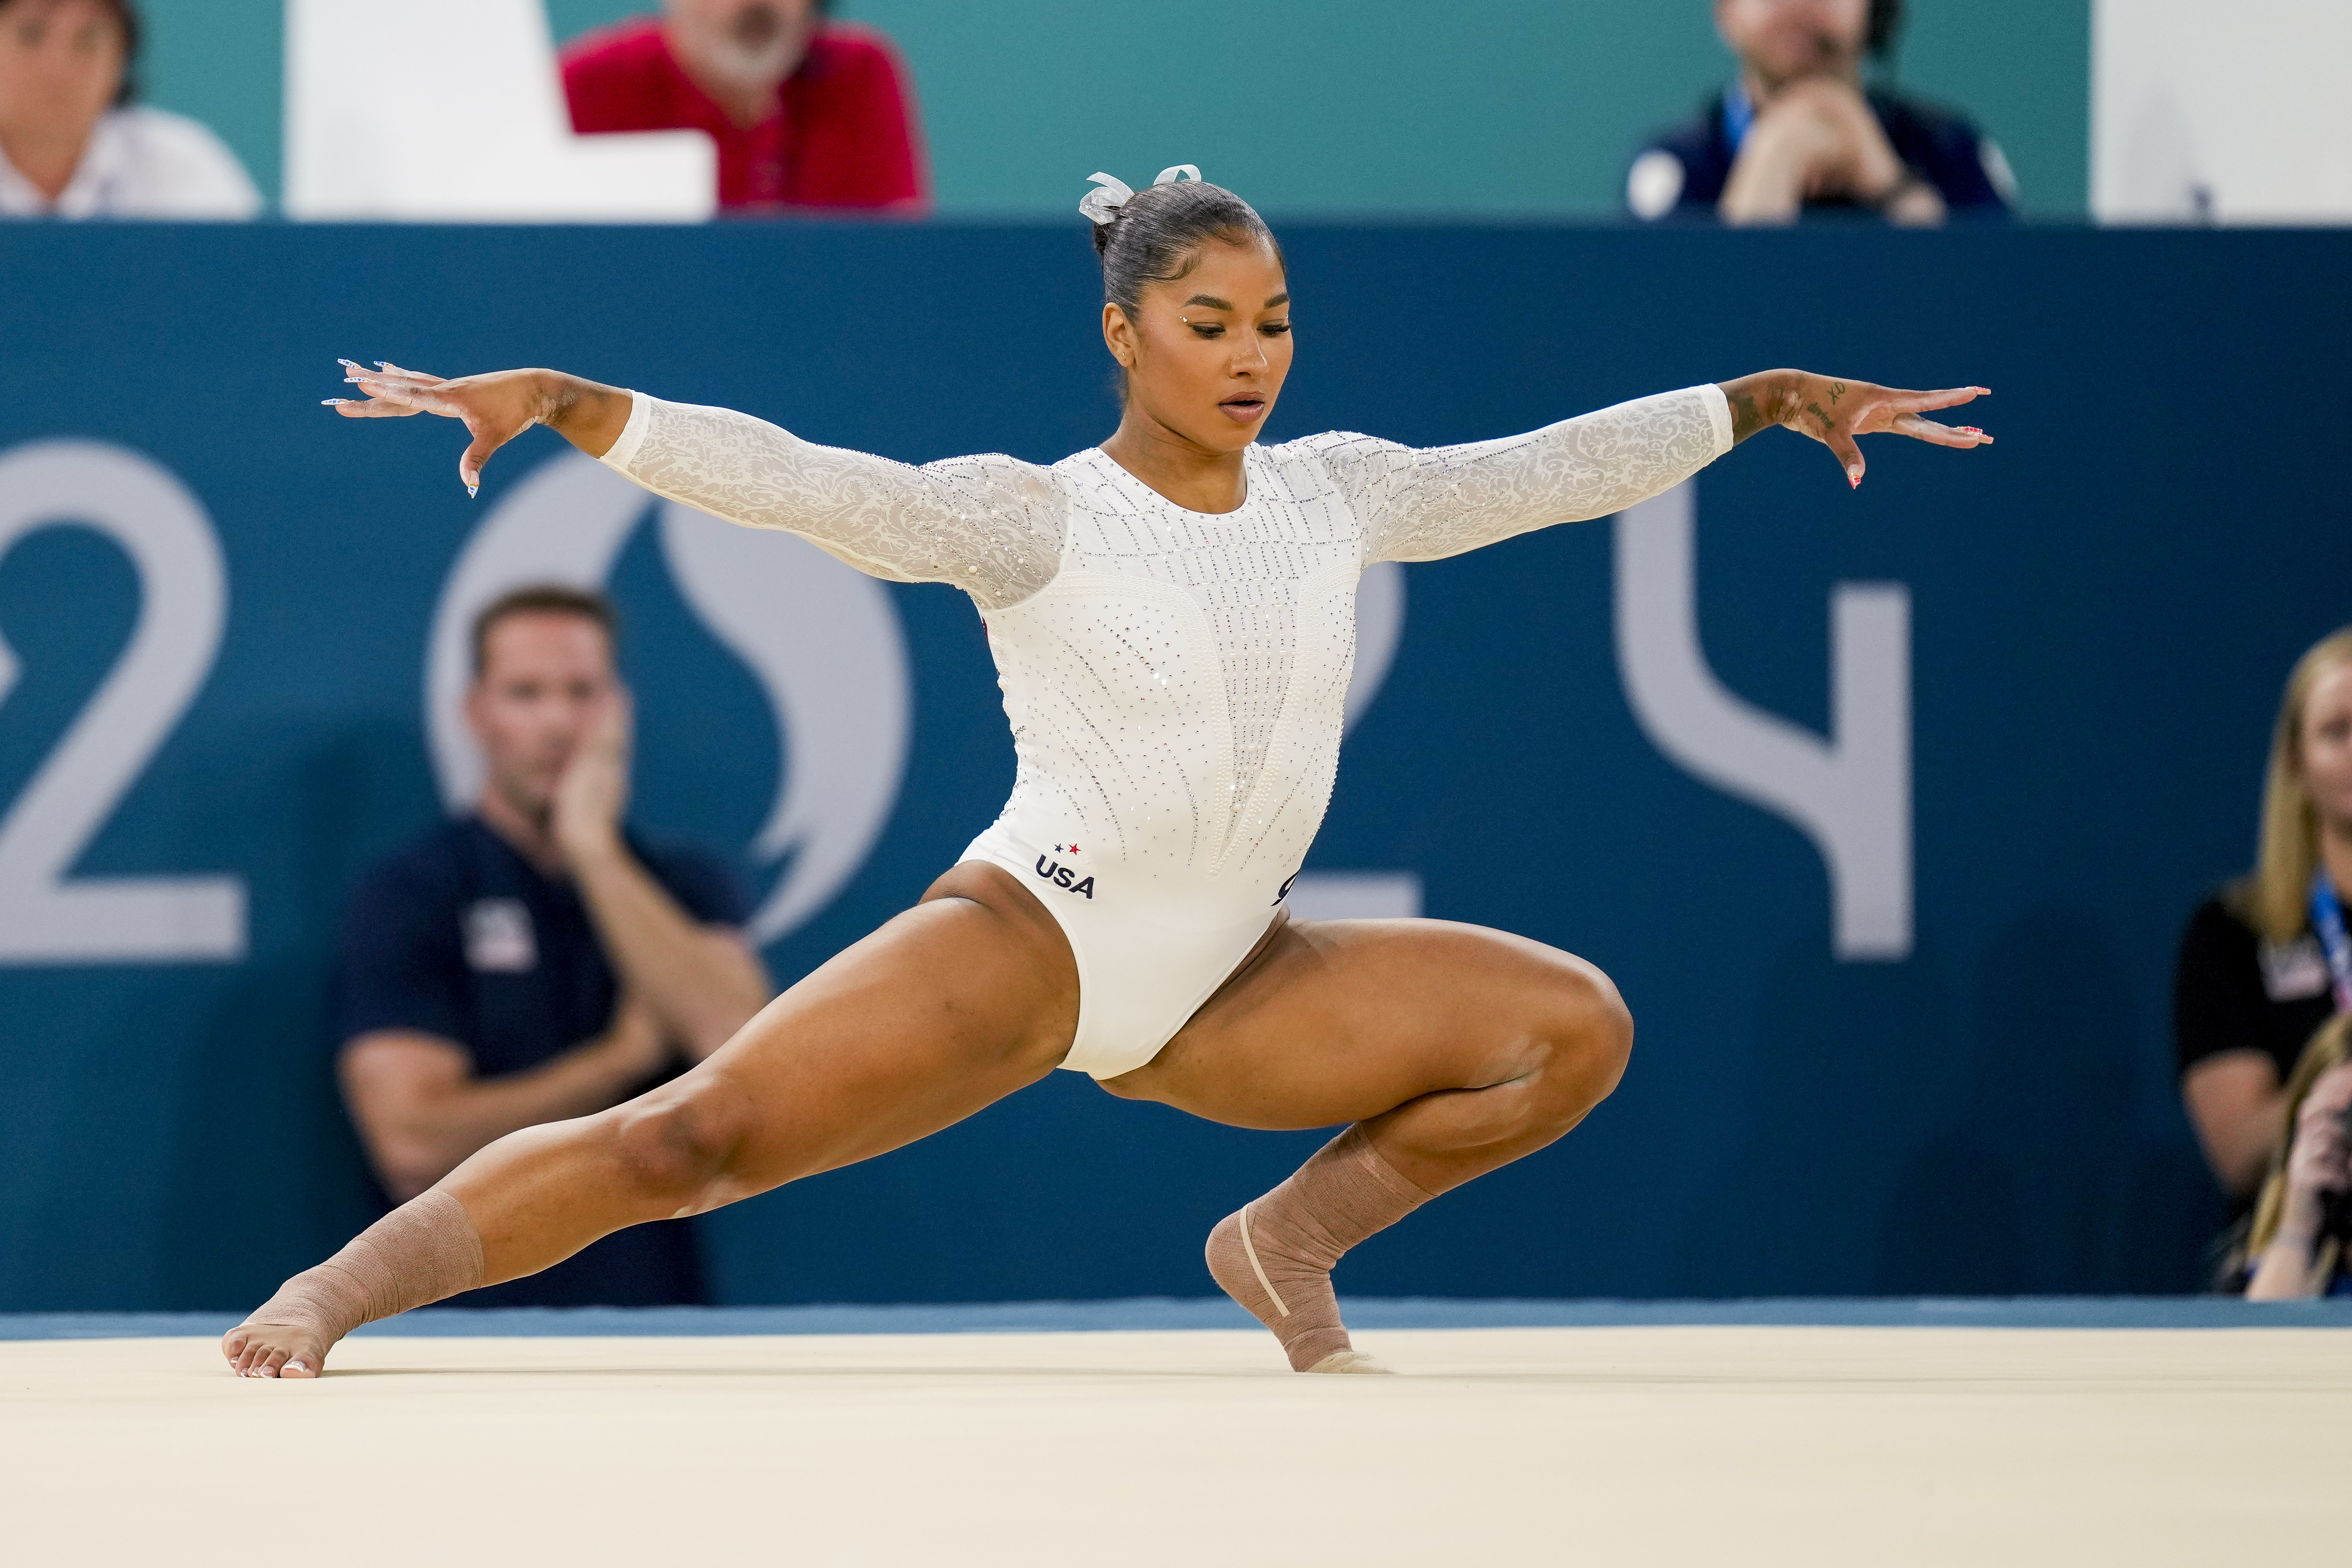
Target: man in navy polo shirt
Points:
(1797, 134)
(536, 960)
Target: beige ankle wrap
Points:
(1274, 1256)
(424, 1251)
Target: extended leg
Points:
(1453, 1050)
(964, 999)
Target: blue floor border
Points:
(1367, 1312)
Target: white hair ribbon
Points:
(1103, 205)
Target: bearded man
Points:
(808, 113)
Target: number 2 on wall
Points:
(46, 916)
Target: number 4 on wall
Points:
(46, 916)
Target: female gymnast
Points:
(1171, 615)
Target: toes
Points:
(258, 1359)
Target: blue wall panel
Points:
(2103, 606)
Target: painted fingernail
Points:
(472, 492)
(1853, 481)
(336, 402)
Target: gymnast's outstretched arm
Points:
(990, 525)
(1423, 503)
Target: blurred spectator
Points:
(72, 143)
(807, 112)
(536, 960)
(2297, 1245)
(1796, 131)
(2255, 975)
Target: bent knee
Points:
(675, 1146)
(1589, 1031)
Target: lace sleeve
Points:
(991, 525)
(1424, 503)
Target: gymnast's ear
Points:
(1119, 335)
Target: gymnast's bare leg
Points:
(951, 1005)
(1449, 1049)
(1459, 1049)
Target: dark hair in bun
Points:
(1155, 237)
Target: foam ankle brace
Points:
(1274, 1256)
(426, 1250)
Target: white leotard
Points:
(1175, 680)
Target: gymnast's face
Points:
(1209, 354)
(2325, 745)
(547, 680)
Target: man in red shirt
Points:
(807, 112)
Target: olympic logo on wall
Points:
(823, 639)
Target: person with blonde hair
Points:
(2296, 1249)
(2266, 962)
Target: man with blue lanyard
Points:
(1797, 133)
(536, 960)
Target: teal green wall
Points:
(1338, 107)
(223, 62)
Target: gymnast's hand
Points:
(496, 407)
(1834, 412)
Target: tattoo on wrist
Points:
(558, 405)
(1746, 417)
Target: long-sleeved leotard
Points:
(1176, 679)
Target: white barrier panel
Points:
(452, 111)
(2229, 114)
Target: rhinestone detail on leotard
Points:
(1175, 680)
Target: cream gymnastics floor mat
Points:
(1655, 1446)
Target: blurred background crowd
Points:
(536, 957)
(1749, 110)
